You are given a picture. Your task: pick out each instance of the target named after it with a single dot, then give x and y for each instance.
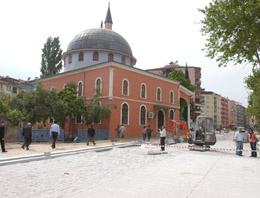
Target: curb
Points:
(52, 155)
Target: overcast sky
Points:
(158, 32)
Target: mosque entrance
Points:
(160, 119)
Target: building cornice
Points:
(138, 101)
(118, 65)
(98, 50)
(186, 91)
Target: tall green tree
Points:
(232, 29)
(37, 104)
(253, 83)
(15, 117)
(51, 57)
(74, 104)
(187, 76)
(179, 76)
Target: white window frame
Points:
(140, 124)
(128, 87)
(145, 97)
(76, 119)
(49, 120)
(101, 82)
(157, 94)
(173, 114)
(172, 96)
(82, 88)
(128, 113)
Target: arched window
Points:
(70, 58)
(123, 60)
(158, 94)
(95, 56)
(171, 97)
(124, 114)
(110, 57)
(79, 119)
(98, 86)
(80, 89)
(81, 56)
(125, 88)
(143, 90)
(51, 120)
(171, 116)
(143, 115)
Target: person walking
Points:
(149, 132)
(162, 138)
(117, 129)
(27, 134)
(54, 133)
(122, 131)
(252, 140)
(238, 138)
(2, 136)
(144, 133)
(91, 134)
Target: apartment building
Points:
(224, 112)
(13, 86)
(211, 106)
(194, 75)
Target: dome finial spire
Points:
(108, 21)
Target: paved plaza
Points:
(131, 172)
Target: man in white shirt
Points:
(238, 138)
(54, 133)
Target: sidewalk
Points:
(14, 149)
(131, 172)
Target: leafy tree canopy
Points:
(232, 28)
(75, 104)
(179, 76)
(15, 117)
(51, 57)
(4, 102)
(253, 83)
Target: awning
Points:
(159, 106)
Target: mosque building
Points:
(100, 57)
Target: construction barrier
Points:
(195, 147)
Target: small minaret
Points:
(108, 21)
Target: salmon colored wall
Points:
(185, 97)
(133, 100)
(135, 81)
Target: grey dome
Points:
(100, 38)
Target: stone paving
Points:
(131, 172)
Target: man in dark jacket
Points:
(27, 134)
(2, 136)
(91, 134)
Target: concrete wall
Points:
(11, 134)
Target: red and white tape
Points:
(194, 147)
